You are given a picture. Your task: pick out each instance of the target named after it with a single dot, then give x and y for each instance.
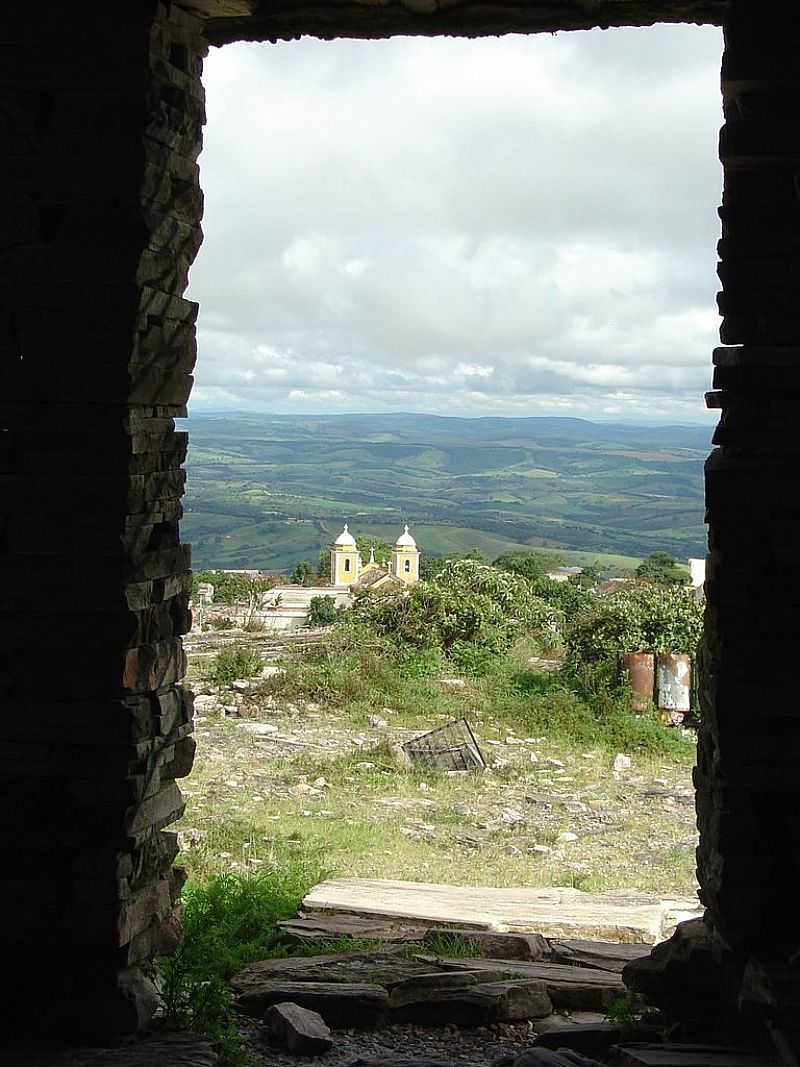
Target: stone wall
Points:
(99, 223)
(749, 854)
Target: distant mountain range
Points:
(267, 490)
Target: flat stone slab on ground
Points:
(553, 912)
(592, 1039)
(163, 1050)
(322, 928)
(600, 955)
(341, 1004)
(668, 1055)
(375, 968)
(473, 1005)
(569, 988)
(303, 1032)
(489, 943)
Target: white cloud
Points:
(390, 225)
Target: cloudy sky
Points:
(512, 226)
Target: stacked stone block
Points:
(749, 854)
(99, 223)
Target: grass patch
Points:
(229, 921)
(238, 661)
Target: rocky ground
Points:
(321, 780)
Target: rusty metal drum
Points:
(638, 669)
(674, 674)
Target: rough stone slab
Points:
(489, 943)
(570, 988)
(357, 1004)
(303, 1032)
(320, 928)
(643, 1055)
(165, 1050)
(553, 912)
(588, 1038)
(409, 990)
(376, 968)
(568, 1020)
(599, 955)
(475, 1005)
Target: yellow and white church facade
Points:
(348, 569)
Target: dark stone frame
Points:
(102, 109)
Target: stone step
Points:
(473, 1005)
(341, 1004)
(569, 988)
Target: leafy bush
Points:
(640, 617)
(470, 658)
(602, 718)
(468, 603)
(238, 661)
(228, 922)
(569, 598)
(222, 623)
(530, 565)
(322, 611)
(232, 588)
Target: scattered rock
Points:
(511, 816)
(206, 703)
(364, 765)
(377, 722)
(567, 836)
(554, 762)
(303, 1032)
(453, 683)
(621, 762)
(258, 727)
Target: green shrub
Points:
(640, 617)
(470, 658)
(228, 922)
(238, 661)
(223, 623)
(322, 611)
(550, 707)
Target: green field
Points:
(265, 491)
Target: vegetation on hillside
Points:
(267, 491)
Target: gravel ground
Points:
(481, 1046)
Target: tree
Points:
(322, 611)
(303, 574)
(661, 568)
(231, 588)
(431, 566)
(382, 549)
(530, 565)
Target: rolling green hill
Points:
(267, 490)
